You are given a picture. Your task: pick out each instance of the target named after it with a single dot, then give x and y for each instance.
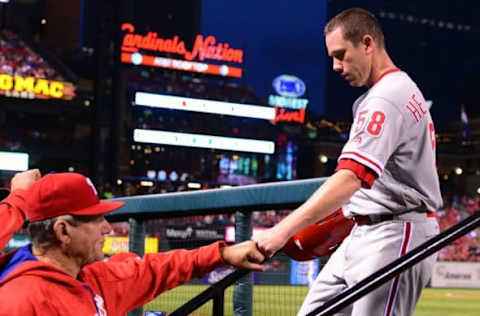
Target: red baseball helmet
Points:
(319, 239)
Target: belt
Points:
(373, 219)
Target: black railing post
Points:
(136, 244)
(243, 290)
(218, 304)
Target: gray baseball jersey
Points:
(393, 135)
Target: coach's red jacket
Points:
(11, 215)
(111, 287)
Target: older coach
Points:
(63, 273)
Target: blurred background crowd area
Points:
(17, 59)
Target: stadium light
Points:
(194, 185)
(323, 159)
(204, 106)
(203, 141)
(13, 161)
(146, 183)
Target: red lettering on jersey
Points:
(415, 108)
(419, 104)
(414, 111)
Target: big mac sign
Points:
(142, 49)
(35, 88)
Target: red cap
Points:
(65, 193)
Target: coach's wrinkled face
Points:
(87, 237)
(352, 62)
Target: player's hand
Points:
(244, 255)
(23, 180)
(270, 241)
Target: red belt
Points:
(369, 220)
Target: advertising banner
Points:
(35, 88)
(141, 49)
(289, 107)
(118, 244)
(456, 275)
(189, 232)
(220, 273)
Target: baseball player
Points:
(386, 178)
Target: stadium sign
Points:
(203, 47)
(289, 86)
(179, 64)
(191, 233)
(35, 88)
(290, 103)
(288, 106)
(456, 275)
(282, 115)
(119, 244)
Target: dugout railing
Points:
(243, 201)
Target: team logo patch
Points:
(357, 139)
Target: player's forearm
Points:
(334, 193)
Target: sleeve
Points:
(365, 174)
(11, 215)
(375, 134)
(145, 278)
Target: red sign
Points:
(284, 115)
(178, 64)
(203, 48)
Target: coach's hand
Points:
(24, 180)
(244, 255)
(270, 241)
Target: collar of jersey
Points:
(383, 74)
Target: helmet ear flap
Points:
(319, 239)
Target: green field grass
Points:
(285, 300)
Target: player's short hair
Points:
(42, 233)
(356, 23)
